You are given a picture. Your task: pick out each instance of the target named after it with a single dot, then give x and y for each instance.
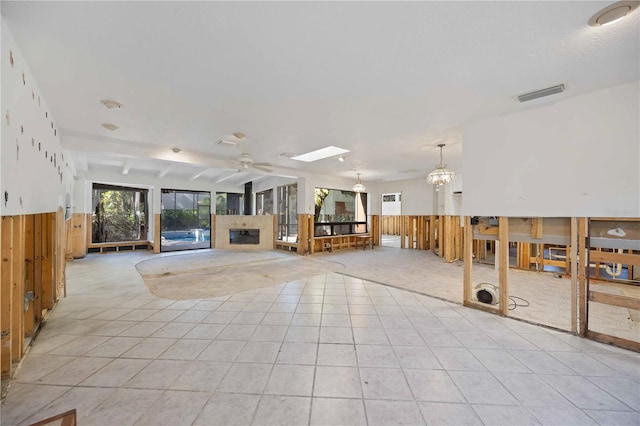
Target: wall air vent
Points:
(541, 93)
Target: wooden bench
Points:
(364, 239)
(117, 245)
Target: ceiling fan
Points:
(245, 161)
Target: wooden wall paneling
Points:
(375, 229)
(503, 265)
(449, 237)
(61, 253)
(212, 233)
(29, 255)
(157, 240)
(536, 228)
(17, 292)
(78, 241)
(38, 260)
(583, 274)
(6, 288)
(432, 233)
(87, 226)
(468, 260)
(440, 236)
(303, 234)
(48, 267)
(574, 275)
(459, 254)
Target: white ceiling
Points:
(387, 80)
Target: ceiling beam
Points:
(224, 177)
(162, 173)
(196, 175)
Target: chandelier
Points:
(440, 175)
(358, 187)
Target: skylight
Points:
(321, 153)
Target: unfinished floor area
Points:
(338, 347)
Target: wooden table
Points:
(365, 239)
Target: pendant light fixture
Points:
(358, 187)
(440, 175)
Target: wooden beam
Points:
(432, 233)
(583, 274)
(468, 259)
(618, 341)
(574, 275)
(17, 293)
(6, 289)
(614, 257)
(29, 253)
(536, 228)
(48, 265)
(441, 236)
(157, 243)
(503, 264)
(213, 231)
(38, 275)
(614, 300)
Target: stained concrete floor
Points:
(335, 348)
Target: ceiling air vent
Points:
(541, 93)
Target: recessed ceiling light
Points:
(341, 158)
(110, 103)
(176, 150)
(238, 135)
(613, 13)
(321, 153)
(110, 126)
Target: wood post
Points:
(212, 233)
(17, 292)
(573, 251)
(583, 274)
(157, 239)
(432, 233)
(29, 253)
(440, 237)
(468, 260)
(6, 250)
(503, 264)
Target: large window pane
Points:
(339, 212)
(288, 213)
(119, 214)
(185, 220)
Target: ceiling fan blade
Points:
(262, 164)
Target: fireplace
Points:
(244, 236)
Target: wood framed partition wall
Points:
(33, 263)
(604, 310)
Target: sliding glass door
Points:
(185, 220)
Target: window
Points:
(264, 202)
(339, 212)
(119, 214)
(288, 213)
(185, 220)
(229, 203)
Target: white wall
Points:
(577, 157)
(33, 169)
(417, 195)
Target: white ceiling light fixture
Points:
(176, 150)
(321, 153)
(341, 158)
(111, 104)
(613, 13)
(440, 175)
(358, 187)
(110, 126)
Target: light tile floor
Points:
(330, 349)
